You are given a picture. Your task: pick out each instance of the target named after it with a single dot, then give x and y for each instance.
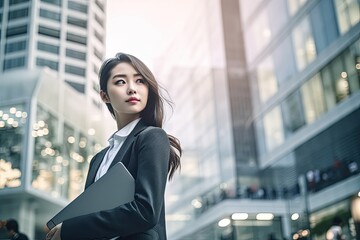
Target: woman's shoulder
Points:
(154, 134)
(151, 130)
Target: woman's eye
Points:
(120, 81)
(140, 80)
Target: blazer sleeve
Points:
(152, 153)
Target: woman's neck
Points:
(125, 120)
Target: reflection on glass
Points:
(259, 35)
(12, 127)
(340, 79)
(348, 14)
(266, 79)
(273, 129)
(60, 167)
(351, 60)
(45, 168)
(313, 99)
(329, 91)
(292, 112)
(304, 44)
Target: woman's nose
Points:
(131, 89)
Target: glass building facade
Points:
(290, 71)
(47, 142)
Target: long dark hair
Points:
(153, 114)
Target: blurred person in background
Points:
(335, 231)
(12, 229)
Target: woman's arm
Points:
(152, 152)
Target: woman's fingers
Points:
(54, 232)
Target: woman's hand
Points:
(54, 234)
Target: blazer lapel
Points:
(95, 166)
(129, 140)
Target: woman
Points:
(132, 96)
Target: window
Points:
(292, 113)
(49, 171)
(98, 54)
(76, 38)
(13, 121)
(16, 31)
(313, 99)
(99, 36)
(75, 54)
(77, 86)
(100, 4)
(75, 70)
(99, 20)
(336, 78)
(352, 65)
(48, 47)
(273, 129)
(348, 14)
(340, 78)
(96, 87)
(77, 6)
(284, 62)
(304, 45)
(96, 69)
(279, 16)
(14, 63)
(266, 79)
(77, 22)
(13, 2)
(329, 91)
(49, 32)
(324, 26)
(50, 15)
(20, 13)
(295, 5)
(55, 2)
(48, 63)
(15, 46)
(258, 35)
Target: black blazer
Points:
(145, 153)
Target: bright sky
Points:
(144, 28)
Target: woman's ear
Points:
(104, 97)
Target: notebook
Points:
(115, 188)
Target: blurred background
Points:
(266, 105)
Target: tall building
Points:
(51, 119)
(66, 36)
(267, 98)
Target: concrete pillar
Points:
(27, 217)
(286, 226)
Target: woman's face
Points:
(127, 92)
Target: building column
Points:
(27, 217)
(286, 226)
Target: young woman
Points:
(132, 96)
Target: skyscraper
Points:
(269, 92)
(66, 36)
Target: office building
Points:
(51, 118)
(66, 36)
(267, 107)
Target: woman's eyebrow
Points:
(124, 75)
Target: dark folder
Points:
(116, 187)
